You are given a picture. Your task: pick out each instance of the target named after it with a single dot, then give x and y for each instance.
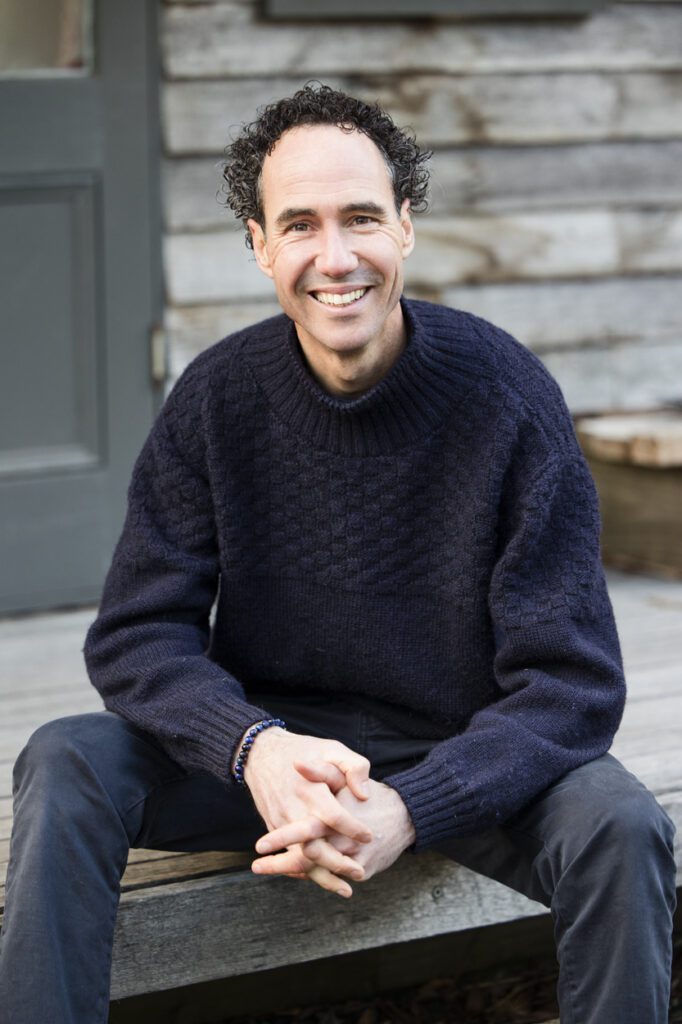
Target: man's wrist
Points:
(407, 830)
(247, 742)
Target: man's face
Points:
(333, 242)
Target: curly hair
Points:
(317, 104)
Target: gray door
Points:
(79, 291)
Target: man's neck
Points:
(350, 374)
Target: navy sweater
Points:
(432, 546)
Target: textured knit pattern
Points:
(432, 546)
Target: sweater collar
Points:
(414, 398)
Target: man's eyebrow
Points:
(363, 206)
(292, 212)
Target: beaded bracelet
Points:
(267, 723)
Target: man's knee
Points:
(638, 825)
(53, 746)
(70, 752)
(616, 815)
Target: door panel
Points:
(48, 388)
(80, 287)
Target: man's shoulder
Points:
(217, 373)
(227, 355)
(498, 359)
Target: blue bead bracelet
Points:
(267, 723)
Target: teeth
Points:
(330, 299)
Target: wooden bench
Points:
(188, 918)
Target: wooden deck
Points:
(42, 677)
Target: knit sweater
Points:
(431, 546)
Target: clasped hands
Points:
(327, 820)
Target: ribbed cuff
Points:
(439, 805)
(221, 728)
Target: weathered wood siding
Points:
(557, 175)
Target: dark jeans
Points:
(595, 847)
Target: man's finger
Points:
(325, 855)
(321, 771)
(317, 854)
(322, 803)
(326, 880)
(288, 862)
(302, 831)
(356, 770)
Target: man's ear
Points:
(407, 228)
(260, 249)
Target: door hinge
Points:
(158, 346)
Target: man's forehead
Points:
(324, 160)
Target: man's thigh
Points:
(598, 800)
(93, 765)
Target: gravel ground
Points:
(498, 998)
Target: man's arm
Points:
(557, 664)
(147, 651)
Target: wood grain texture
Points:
(549, 315)
(486, 178)
(443, 111)
(227, 40)
(624, 377)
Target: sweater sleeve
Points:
(146, 652)
(557, 662)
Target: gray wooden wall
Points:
(557, 184)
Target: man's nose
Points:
(336, 256)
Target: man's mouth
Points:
(335, 299)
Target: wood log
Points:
(443, 111)
(645, 439)
(229, 40)
(640, 511)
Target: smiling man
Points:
(413, 645)
(334, 248)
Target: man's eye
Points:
(363, 218)
(298, 226)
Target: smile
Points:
(333, 299)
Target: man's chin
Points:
(340, 337)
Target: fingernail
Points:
(346, 893)
(357, 875)
(263, 847)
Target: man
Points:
(413, 646)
